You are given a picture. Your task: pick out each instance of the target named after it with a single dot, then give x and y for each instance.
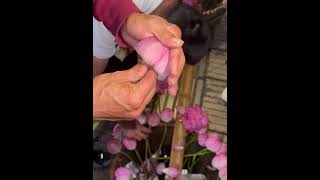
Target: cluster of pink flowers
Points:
(195, 120)
(114, 146)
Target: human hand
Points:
(134, 130)
(140, 26)
(123, 94)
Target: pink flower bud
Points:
(223, 172)
(219, 161)
(114, 146)
(213, 144)
(160, 168)
(129, 143)
(171, 171)
(123, 173)
(154, 120)
(202, 138)
(116, 132)
(223, 149)
(166, 115)
(142, 119)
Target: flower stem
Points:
(194, 163)
(127, 155)
(163, 136)
(138, 155)
(191, 141)
(163, 158)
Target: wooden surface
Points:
(179, 133)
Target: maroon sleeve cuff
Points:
(113, 13)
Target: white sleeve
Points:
(104, 45)
(147, 6)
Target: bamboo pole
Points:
(179, 133)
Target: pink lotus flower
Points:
(223, 149)
(129, 143)
(202, 138)
(194, 119)
(114, 146)
(213, 144)
(166, 115)
(171, 171)
(123, 173)
(142, 119)
(223, 172)
(162, 86)
(190, 2)
(160, 168)
(154, 120)
(116, 132)
(155, 54)
(219, 161)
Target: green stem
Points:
(163, 135)
(163, 158)
(194, 163)
(138, 155)
(127, 155)
(191, 141)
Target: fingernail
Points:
(178, 42)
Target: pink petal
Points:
(142, 119)
(202, 138)
(166, 115)
(150, 49)
(213, 144)
(223, 149)
(160, 168)
(154, 120)
(219, 161)
(223, 172)
(171, 171)
(203, 131)
(116, 132)
(129, 143)
(113, 146)
(122, 173)
(215, 135)
(162, 67)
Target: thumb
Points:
(135, 73)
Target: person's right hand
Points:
(123, 94)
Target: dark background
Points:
(46, 71)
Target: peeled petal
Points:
(113, 146)
(166, 115)
(213, 144)
(160, 168)
(123, 173)
(219, 161)
(129, 143)
(171, 171)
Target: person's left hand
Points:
(134, 130)
(139, 26)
